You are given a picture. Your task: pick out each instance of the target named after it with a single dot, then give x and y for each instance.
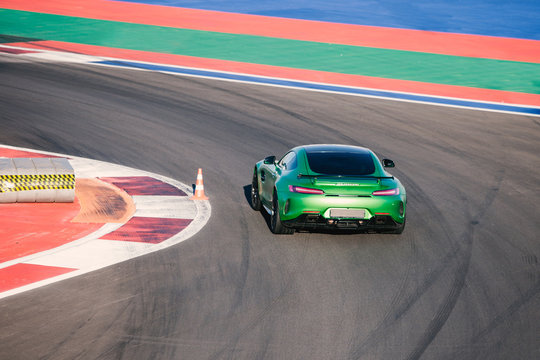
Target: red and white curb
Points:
(166, 220)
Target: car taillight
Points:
(386, 192)
(304, 190)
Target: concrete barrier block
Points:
(25, 167)
(36, 180)
(63, 168)
(7, 168)
(44, 167)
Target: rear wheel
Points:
(275, 222)
(255, 197)
(400, 229)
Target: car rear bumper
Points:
(297, 207)
(318, 222)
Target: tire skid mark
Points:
(83, 324)
(400, 305)
(500, 319)
(524, 299)
(444, 311)
(460, 275)
(526, 257)
(456, 255)
(120, 346)
(258, 318)
(275, 106)
(245, 262)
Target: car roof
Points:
(334, 147)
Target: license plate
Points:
(348, 213)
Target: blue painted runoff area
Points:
(515, 19)
(522, 110)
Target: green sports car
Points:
(315, 187)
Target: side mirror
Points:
(387, 163)
(270, 159)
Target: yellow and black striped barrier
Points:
(10, 183)
(36, 180)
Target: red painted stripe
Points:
(143, 185)
(14, 51)
(29, 228)
(12, 153)
(19, 275)
(148, 230)
(357, 35)
(452, 91)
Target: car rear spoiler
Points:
(345, 176)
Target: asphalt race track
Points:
(461, 282)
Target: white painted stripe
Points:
(93, 254)
(94, 168)
(60, 57)
(105, 229)
(170, 207)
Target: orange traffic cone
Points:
(199, 188)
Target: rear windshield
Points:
(341, 162)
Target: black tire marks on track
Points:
(433, 269)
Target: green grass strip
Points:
(384, 63)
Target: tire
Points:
(255, 197)
(400, 229)
(275, 222)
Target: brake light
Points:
(389, 192)
(304, 190)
